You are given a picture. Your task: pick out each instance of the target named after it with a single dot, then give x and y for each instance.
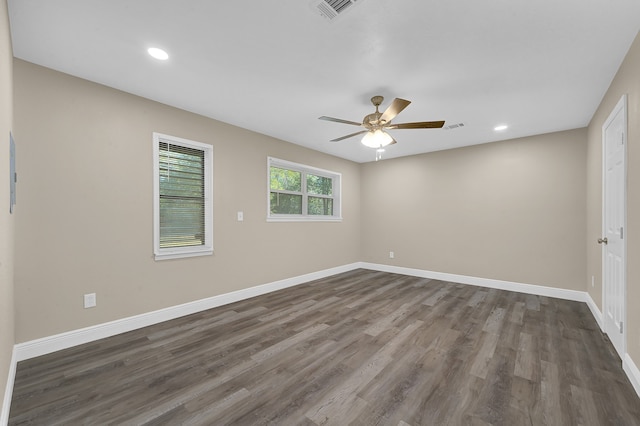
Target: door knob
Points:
(603, 240)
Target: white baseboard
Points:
(8, 392)
(72, 338)
(597, 314)
(559, 293)
(633, 373)
(629, 367)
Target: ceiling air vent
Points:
(331, 9)
(453, 126)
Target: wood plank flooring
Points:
(359, 348)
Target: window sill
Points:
(182, 254)
(303, 219)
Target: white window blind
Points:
(183, 199)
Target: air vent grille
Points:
(453, 126)
(331, 9)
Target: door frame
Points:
(621, 105)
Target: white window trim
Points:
(181, 252)
(304, 217)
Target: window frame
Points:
(336, 181)
(161, 253)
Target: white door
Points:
(614, 133)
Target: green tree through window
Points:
(298, 190)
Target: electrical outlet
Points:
(90, 300)
(240, 216)
(391, 255)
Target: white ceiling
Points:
(276, 66)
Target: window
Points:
(302, 193)
(183, 201)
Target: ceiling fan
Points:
(377, 123)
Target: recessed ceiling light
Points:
(158, 53)
(500, 127)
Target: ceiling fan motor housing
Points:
(372, 121)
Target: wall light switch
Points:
(90, 300)
(240, 216)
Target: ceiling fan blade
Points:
(339, 120)
(394, 109)
(349, 136)
(418, 125)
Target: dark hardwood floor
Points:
(360, 348)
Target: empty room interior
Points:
(215, 235)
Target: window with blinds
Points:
(183, 201)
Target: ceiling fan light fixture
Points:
(376, 139)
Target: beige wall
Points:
(627, 81)
(512, 210)
(86, 207)
(6, 220)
